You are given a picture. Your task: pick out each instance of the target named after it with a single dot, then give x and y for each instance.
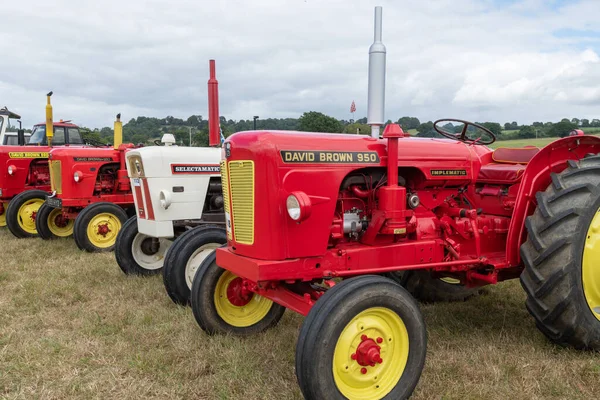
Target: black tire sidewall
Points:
(124, 252)
(178, 256)
(84, 218)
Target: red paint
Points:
(238, 293)
(101, 177)
(141, 213)
(29, 173)
(148, 198)
(468, 225)
(214, 138)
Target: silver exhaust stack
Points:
(376, 96)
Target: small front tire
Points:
(50, 223)
(22, 211)
(139, 254)
(97, 226)
(365, 338)
(220, 306)
(185, 256)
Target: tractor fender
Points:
(537, 176)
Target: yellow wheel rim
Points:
(60, 228)
(237, 307)
(103, 229)
(590, 269)
(27, 213)
(379, 327)
(3, 215)
(451, 281)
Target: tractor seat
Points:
(508, 164)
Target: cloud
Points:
(481, 60)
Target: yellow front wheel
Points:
(225, 303)
(52, 223)
(22, 212)
(364, 339)
(97, 227)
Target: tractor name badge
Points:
(92, 159)
(28, 154)
(448, 172)
(329, 157)
(196, 168)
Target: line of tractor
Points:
(347, 230)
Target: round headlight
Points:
(12, 169)
(165, 199)
(293, 207)
(298, 206)
(77, 176)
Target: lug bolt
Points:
(380, 360)
(354, 356)
(379, 340)
(363, 337)
(363, 371)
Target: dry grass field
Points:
(72, 326)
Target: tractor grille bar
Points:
(225, 188)
(241, 182)
(55, 176)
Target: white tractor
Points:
(177, 192)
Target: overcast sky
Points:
(496, 60)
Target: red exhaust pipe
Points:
(214, 136)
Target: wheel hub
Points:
(60, 221)
(368, 353)
(150, 246)
(103, 229)
(238, 292)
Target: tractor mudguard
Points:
(552, 158)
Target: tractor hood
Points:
(166, 161)
(265, 167)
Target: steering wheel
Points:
(466, 133)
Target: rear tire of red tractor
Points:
(97, 226)
(428, 289)
(185, 256)
(139, 254)
(219, 306)
(22, 211)
(561, 257)
(364, 338)
(50, 224)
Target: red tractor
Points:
(91, 195)
(325, 225)
(25, 178)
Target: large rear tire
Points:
(429, 289)
(562, 257)
(22, 211)
(185, 256)
(364, 338)
(220, 305)
(50, 223)
(139, 254)
(97, 226)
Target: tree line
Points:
(144, 130)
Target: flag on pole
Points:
(222, 136)
(353, 107)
